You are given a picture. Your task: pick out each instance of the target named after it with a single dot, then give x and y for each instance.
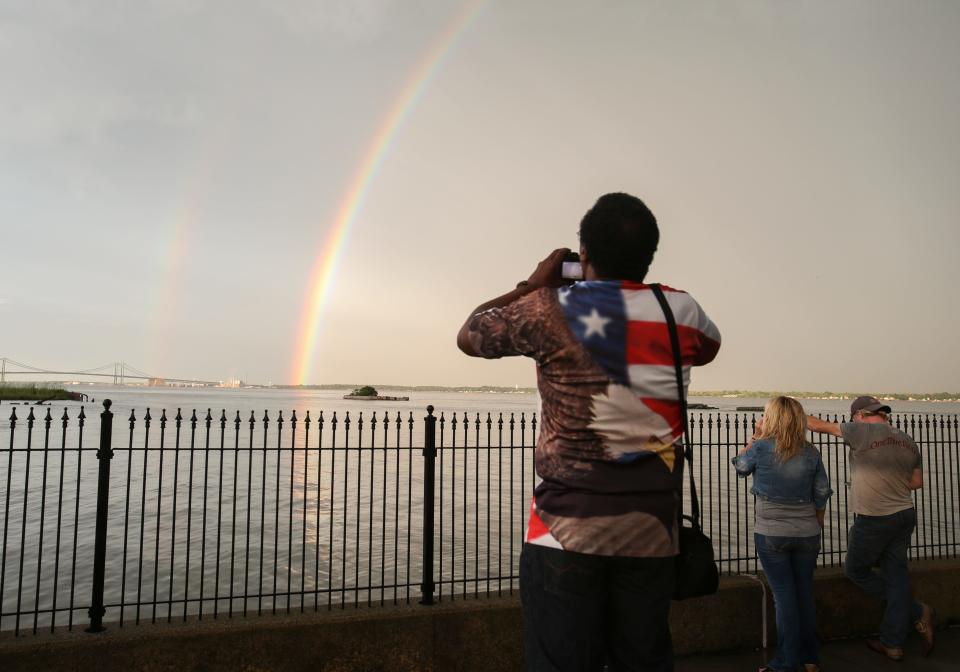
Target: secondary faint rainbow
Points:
(328, 261)
(173, 255)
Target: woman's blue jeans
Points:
(788, 563)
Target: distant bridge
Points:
(119, 372)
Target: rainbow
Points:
(174, 255)
(326, 265)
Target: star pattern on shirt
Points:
(595, 324)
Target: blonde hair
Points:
(785, 422)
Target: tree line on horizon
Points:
(897, 396)
(827, 394)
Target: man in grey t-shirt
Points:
(885, 469)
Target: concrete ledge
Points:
(484, 634)
(733, 618)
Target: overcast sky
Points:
(170, 170)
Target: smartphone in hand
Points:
(571, 269)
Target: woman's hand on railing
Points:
(757, 431)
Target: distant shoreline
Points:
(37, 393)
(885, 396)
(731, 394)
(414, 388)
(503, 389)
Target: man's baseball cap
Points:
(867, 403)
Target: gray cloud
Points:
(171, 170)
(354, 20)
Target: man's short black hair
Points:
(620, 235)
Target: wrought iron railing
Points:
(177, 517)
(727, 505)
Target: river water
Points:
(138, 398)
(293, 516)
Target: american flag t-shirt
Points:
(608, 450)
(624, 329)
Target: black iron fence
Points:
(176, 516)
(727, 505)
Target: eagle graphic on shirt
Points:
(609, 451)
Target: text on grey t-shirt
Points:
(882, 460)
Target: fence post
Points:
(104, 455)
(429, 501)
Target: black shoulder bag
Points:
(696, 571)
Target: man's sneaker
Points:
(891, 652)
(925, 627)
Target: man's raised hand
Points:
(548, 270)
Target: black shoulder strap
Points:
(675, 346)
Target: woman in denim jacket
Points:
(792, 490)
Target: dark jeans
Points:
(883, 541)
(788, 563)
(581, 611)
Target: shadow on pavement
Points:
(847, 654)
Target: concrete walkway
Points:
(848, 654)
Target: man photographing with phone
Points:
(597, 568)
